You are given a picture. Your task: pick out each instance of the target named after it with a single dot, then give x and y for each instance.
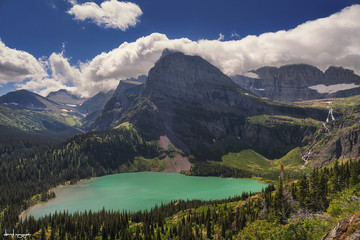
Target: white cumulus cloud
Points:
(16, 65)
(333, 40)
(110, 14)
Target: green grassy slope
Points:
(26, 120)
(275, 120)
(36, 125)
(266, 169)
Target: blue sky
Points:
(68, 49)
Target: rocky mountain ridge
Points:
(25, 99)
(199, 108)
(298, 82)
(62, 96)
(27, 115)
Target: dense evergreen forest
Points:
(223, 219)
(207, 169)
(205, 220)
(28, 169)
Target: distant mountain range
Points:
(24, 113)
(299, 82)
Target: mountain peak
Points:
(168, 51)
(62, 92)
(22, 99)
(180, 75)
(64, 97)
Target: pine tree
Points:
(354, 173)
(302, 191)
(335, 184)
(42, 236)
(208, 229)
(279, 197)
(314, 191)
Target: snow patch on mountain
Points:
(251, 75)
(321, 88)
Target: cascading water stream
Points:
(330, 117)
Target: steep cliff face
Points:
(198, 107)
(343, 141)
(334, 75)
(300, 82)
(123, 96)
(95, 103)
(278, 138)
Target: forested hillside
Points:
(30, 171)
(305, 209)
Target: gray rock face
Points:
(197, 106)
(64, 97)
(347, 229)
(123, 96)
(281, 138)
(296, 82)
(334, 75)
(93, 107)
(179, 76)
(140, 79)
(95, 103)
(345, 144)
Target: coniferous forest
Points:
(27, 169)
(302, 208)
(283, 211)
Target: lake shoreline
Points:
(73, 198)
(55, 190)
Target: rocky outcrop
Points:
(343, 142)
(347, 229)
(93, 107)
(95, 103)
(276, 140)
(299, 82)
(199, 108)
(124, 95)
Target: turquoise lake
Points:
(140, 191)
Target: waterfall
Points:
(326, 128)
(330, 116)
(306, 156)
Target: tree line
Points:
(25, 172)
(220, 219)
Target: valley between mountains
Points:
(295, 128)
